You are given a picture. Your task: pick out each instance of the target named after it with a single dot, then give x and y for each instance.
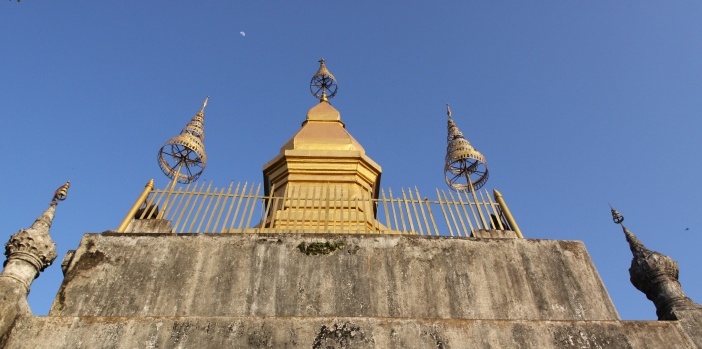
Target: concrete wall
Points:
(331, 275)
(316, 333)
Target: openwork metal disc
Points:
(323, 84)
(183, 157)
(465, 167)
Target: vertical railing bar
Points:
(254, 201)
(421, 209)
(466, 214)
(297, 198)
(326, 209)
(196, 198)
(227, 196)
(394, 214)
(339, 194)
(277, 208)
(217, 194)
(155, 199)
(302, 202)
(443, 210)
(148, 202)
(182, 206)
(385, 209)
(247, 208)
(231, 206)
(431, 217)
(305, 197)
(486, 205)
(358, 216)
(206, 197)
(399, 203)
(245, 199)
(316, 208)
(320, 208)
(414, 209)
(201, 218)
(450, 207)
(477, 206)
(144, 213)
(268, 203)
(456, 205)
(349, 205)
(473, 206)
(178, 224)
(179, 207)
(238, 206)
(375, 206)
(409, 213)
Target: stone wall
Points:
(317, 333)
(395, 276)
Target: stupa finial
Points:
(465, 167)
(323, 84)
(182, 158)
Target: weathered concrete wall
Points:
(257, 332)
(331, 275)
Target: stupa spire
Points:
(33, 247)
(322, 163)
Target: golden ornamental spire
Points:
(465, 168)
(323, 84)
(182, 158)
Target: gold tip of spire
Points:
(61, 193)
(616, 216)
(323, 84)
(204, 104)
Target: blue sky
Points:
(574, 104)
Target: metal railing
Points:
(242, 208)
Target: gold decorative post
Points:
(139, 201)
(508, 215)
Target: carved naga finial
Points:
(656, 275)
(33, 246)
